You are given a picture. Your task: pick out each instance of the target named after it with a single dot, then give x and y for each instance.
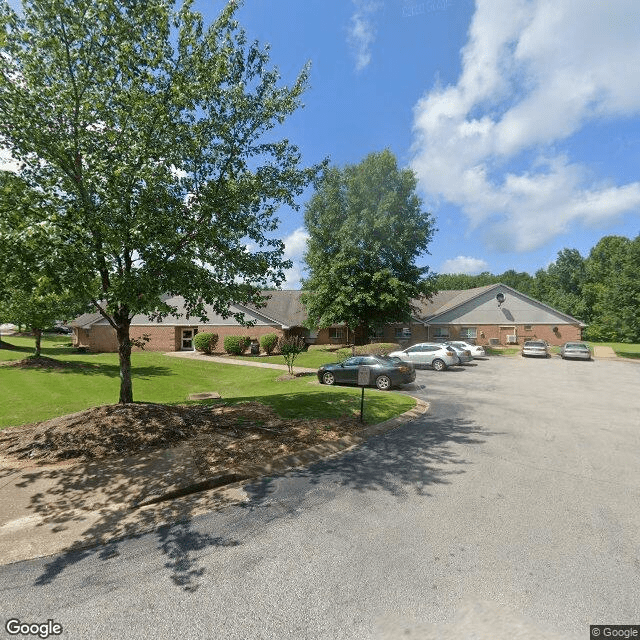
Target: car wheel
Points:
(439, 365)
(328, 378)
(383, 383)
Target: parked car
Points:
(59, 329)
(476, 350)
(385, 371)
(539, 348)
(577, 350)
(437, 356)
(464, 355)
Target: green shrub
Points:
(247, 340)
(324, 347)
(375, 349)
(378, 349)
(205, 342)
(268, 342)
(235, 345)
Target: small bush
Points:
(205, 342)
(268, 342)
(378, 349)
(324, 347)
(235, 345)
(290, 348)
(375, 349)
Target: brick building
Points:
(476, 315)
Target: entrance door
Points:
(187, 339)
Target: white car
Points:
(476, 351)
(437, 356)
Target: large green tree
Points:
(611, 290)
(367, 228)
(145, 144)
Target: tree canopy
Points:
(146, 149)
(367, 229)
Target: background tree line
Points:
(602, 290)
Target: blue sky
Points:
(519, 117)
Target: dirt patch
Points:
(40, 362)
(220, 435)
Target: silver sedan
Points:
(476, 350)
(464, 355)
(536, 348)
(577, 350)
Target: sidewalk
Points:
(194, 355)
(603, 352)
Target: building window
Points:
(335, 334)
(528, 327)
(440, 332)
(471, 333)
(403, 332)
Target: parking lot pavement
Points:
(510, 508)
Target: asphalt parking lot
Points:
(508, 511)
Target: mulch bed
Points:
(220, 434)
(40, 362)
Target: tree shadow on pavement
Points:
(410, 459)
(89, 505)
(78, 509)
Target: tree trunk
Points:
(38, 335)
(124, 352)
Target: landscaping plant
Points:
(205, 342)
(269, 342)
(290, 348)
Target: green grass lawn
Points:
(312, 359)
(32, 395)
(501, 351)
(622, 349)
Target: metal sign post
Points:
(364, 378)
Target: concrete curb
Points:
(291, 461)
(36, 535)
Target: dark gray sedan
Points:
(384, 372)
(577, 350)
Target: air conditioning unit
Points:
(512, 339)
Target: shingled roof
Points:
(284, 306)
(445, 300)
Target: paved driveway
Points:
(510, 511)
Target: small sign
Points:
(364, 375)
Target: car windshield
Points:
(577, 345)
(534, 344)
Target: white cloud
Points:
(295, 244)
(464, 264)
(533, 73)
(362, 32)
